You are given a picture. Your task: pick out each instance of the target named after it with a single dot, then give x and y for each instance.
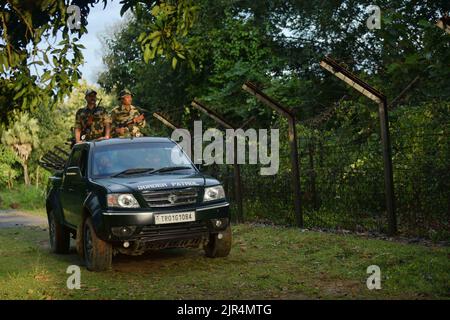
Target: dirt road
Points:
(14, 218)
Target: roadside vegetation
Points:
(23, 198)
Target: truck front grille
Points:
(188, 230)
(170, 198)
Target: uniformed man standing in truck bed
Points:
(126, 119)
(91, 122)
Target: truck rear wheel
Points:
(97, 253)
(59, 235)
(219, 247)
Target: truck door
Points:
(74, 185)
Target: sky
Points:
(100, 22)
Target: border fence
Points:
(342, 186)
(357, 177)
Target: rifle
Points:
(136, 119)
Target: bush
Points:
(27, 197)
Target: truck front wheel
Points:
(97, 253)
(59, 234)
(219, 247)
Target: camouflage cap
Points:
(124, 92)
(89, 91)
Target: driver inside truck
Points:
(103, 165)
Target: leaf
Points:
(153, 53)
(141, 36)
(125, 8)
(155, 42)
(393, 67)
(181, 55)
(155, 10)
(24, 103)
(153, 35)
(412, 59)
(192, 65)
(19, 94)
(174, 62)
(147, 53)
(36, 62)
(424, 23)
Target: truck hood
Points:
(155, 182)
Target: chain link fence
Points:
(342, 182)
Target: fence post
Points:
(312, 174)
(373, 94)
(388, 174)
(252, 89)
(164, 120)
(236, 168)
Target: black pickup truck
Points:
(131, 195)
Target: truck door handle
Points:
(70, 189)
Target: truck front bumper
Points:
(211, 218)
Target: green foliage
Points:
(169, 22)
(32, 67)
(155, 86)
(50, 126)
(28, 198)
(8, 173)
(22, 137)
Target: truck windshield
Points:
(139, 158)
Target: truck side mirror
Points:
(73, 171)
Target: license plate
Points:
(174, 217)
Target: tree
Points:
(279, 44)
(7, 161)
(34, 67)
(22, 138)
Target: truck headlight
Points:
(122, 200)
(214, 193)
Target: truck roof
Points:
(127, 140)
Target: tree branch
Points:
(400, 96)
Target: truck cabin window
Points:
(139, 158)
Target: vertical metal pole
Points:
(312, 173)
(295, 172)
(237, 184)
(388, 175)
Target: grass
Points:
(29, 198)
(265, 263)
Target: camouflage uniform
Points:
(91, 122)
(121, 118)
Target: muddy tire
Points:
(97, 253)
(219, 247)
(79, 241)
(59, 235)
